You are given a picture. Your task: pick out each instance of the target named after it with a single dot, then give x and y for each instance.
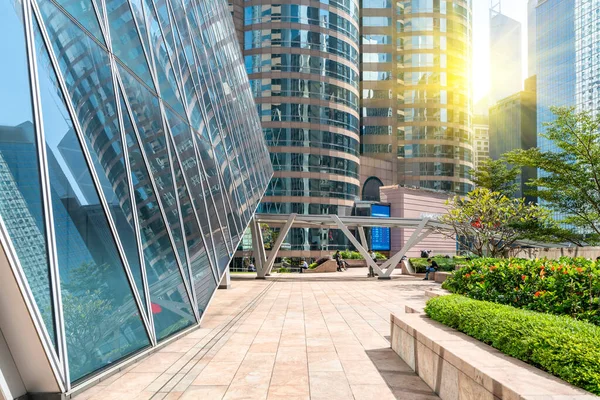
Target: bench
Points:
(440, 277)
(458, 367)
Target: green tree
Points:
(269, 236)
(569, 181)
(489, 223)
(497, 176)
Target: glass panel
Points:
(170, 303)
(102, 320)
(125, 39)
(83, 11)
(204, 281)
(148, 120)
(20, 192)
(85, 67)
(169, 89)
(191, 167)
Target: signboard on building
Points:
(380, 237)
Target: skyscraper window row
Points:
(306, 187)
(299, 137)
(299, 14)
(300, 38)
(304, 88)
(303, 63)
(306, 162)
(307, 113)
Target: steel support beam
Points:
(363, 252)
(258, 247)
(268, 265)
(415, 238)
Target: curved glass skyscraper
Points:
(416, 90)
(131, 162)
(302, 62)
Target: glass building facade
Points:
(555, 61)
(131, 162)
(416, 90)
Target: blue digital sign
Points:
(380, 237)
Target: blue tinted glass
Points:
(84, 12)
(102, 319)
(125, 39)
(203, 278)
(170, 302)
(192, 168)
(96, 109)
(20, 192)
(148, 120)
(169, 88)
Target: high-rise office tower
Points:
(513, 126)
(416, 90)
(131, 162)
(555, 61)
(481, 139)
(531, 37)
(587, 55)
(505, 54)
(302, 61)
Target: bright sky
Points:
(516, 9)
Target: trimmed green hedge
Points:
(355, 255)
(560, 345)
(445, 264)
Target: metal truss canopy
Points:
(423, 227)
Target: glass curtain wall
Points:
(131, 161)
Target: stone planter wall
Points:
(458, 367)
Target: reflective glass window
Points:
(376, 21)
(376, 4)
(171, 307)
(20, 191)
(83, 62)
(102, 319)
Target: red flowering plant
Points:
(569, 286)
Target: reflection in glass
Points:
(102, 320)
(170, 302)
(147, 117)
(82, 61)
(20, 192)
(125, 39)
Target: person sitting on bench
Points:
(431, 268)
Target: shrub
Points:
(560, 345)
(564, 287)
(313, 265)
(446, 264)
(355, 255)
(284, 270)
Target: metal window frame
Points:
(154, 15)
(139, 143)
(56, 297)
(90, 165)
(133, 205)
(187, 186)
(187, 120)
(205, 118)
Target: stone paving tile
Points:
(306, 337)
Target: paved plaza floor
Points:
(293, 336)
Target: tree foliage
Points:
(569, 182)
(488, 223)
(497, 176)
